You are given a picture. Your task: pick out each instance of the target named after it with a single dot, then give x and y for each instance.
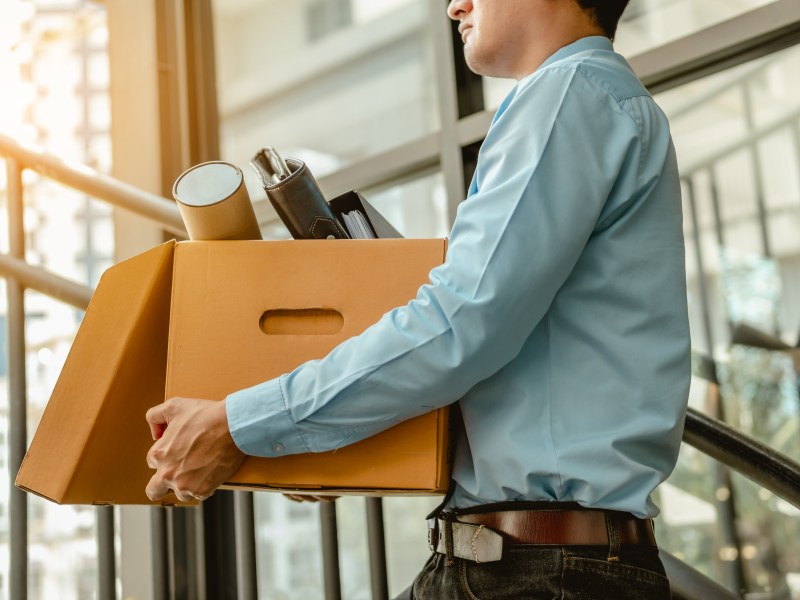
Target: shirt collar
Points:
(593, 42)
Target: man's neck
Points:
(564, 32)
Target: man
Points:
(558, 319)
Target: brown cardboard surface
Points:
(90, 445)
(224, 316)
(323, 293)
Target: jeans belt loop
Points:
(448, 540)
(433, 533)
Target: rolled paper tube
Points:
(214, 203)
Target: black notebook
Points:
(359, 218)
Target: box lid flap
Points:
(94, 422)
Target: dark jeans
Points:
(545, 572)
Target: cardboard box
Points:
(203, 319)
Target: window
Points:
(345, 97)
(326, 16)
(737, 135)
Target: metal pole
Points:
(701, 272)
(377, 549)
(244, 516)
(796, 140)
(18, 501)
(106, 564)
(199, 537)
(181, 558)
(757, 174)
(719, 226)
(160, 553)
(330, 551)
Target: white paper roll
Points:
(214, 203)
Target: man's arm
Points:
(546, 168)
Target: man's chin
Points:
(474, 62)
(478, 66)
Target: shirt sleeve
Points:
(546, 167)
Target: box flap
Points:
(91, 443)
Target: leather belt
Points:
(481, 536)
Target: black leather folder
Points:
(302, 207)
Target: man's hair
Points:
(606, 13)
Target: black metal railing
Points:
(758, 462)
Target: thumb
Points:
(157, 420)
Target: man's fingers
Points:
(156, 488)
(310, 498)
(151, 461)
(157, 420)
(202, 497)
(185, 496)
(326, 499)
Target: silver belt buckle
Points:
(477, 543)
(470, 542)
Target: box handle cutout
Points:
(301, 321)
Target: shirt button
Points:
(277, 448)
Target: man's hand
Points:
(194, 452)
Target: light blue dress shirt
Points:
(558, 320)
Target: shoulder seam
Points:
(622, 104)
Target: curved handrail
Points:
(44, 281)
(97, 185)
(687, 583)
(758, 462)
(755, 460)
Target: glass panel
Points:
(289, 559)
(351, 519)
(494, 90)
(406, 539)
(737, 135)
(649, 23)
(416, 208)
(328, 82)
(45, 68)
(646, 24)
